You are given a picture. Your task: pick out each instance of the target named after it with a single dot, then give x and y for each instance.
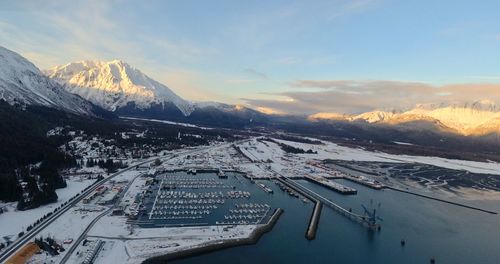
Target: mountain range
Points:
(468, 119)
(120, 88)
(23, 83)
(88, 87)
(115, 85)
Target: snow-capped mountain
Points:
(115, 84)
(477, 118)
(21, 82)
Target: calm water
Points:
(449, 233)
(234, 182)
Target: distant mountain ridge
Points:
(21, 82)
(126, 91)
(115, 84)
(476, 118)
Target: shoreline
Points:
(252, 239)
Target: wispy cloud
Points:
(257, 74)
(350, 7)
(351, 96)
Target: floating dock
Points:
(342, 189)
(265, 188)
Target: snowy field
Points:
(13, 221)
(167, 240)
(333, 151)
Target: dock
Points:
(265, 188)
(365, 220)
(338, 174)
(365, 182)
(314, 220)
(342, 189)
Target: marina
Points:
(424, 226)
(184, 198)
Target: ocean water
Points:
(431, 229)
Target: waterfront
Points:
(430, 228)
(179, 199)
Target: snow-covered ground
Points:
(333, 151)
(13, 221)
(145, 243)
(69, 226)
(125, 243)
(165, 122)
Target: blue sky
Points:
(277, 55)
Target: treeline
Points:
(291, 149)
(23, 141)
(109, 164)
(298, 139)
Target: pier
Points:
(314, 221)
(316, 197)
(365, 182)
(342, 189)
(340, 174)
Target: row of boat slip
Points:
(237, 194)
(252, 205)
(193, 186)
(248, 211)
(192, 217)
(189, 201)
(241, 222)
(202, 195)
(191, 195)
(185, 178)
(244, 217)
(184, 212)
(193, 181)
(187, 207)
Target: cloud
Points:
(352, 96)
(53, 33)
(350, 7)
(257, 74)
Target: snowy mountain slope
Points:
(115, 84)
(22, 82)
(477, 118)
(375, 116)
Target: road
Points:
(28, 236)
(16, 245)
(82, 236)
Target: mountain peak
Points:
(22, 82)
(115, 84)
(479, 117)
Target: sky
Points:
(297, 57)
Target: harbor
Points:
(183, 198)
(423, 224)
